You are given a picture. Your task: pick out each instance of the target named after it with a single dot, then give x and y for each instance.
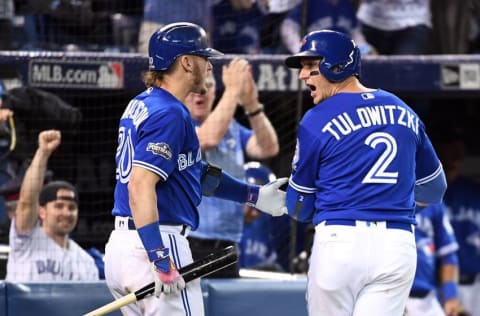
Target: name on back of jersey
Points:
(364, 117)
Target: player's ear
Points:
(186, 62)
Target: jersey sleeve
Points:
(445, 241)
(305, 164)
(159, 143)
(428, 166)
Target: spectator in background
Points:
(463, 203)
(273, 14)
(6, 24)
(257, 245)
(41, 249)
(236, 26)
(336, 15)
(456, 26)
(397, 27)
(225, 142)
(5, 148)
(158, 13)
(437, 265)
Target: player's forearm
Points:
(448, 272)
(300, 206)
(449, 287)
(27, 208)
(264, 143)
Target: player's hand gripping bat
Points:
(200, 268)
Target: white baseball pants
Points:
(361, 270)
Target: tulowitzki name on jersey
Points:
(344, 123)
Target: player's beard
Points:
(199, 76)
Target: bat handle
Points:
(125, 300)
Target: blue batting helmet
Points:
(340, 56)
(257, 173)
(176, 39)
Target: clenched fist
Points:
(49, 140)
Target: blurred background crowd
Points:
(240, 26)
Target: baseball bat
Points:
(200, 268)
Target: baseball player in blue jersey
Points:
(362, 161)
(257, 246)
(462, 199)
(437, 265)
(161, 178)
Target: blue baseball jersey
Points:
(157, 133)
(435, 239)
(257, 246)
(463, 204)
(361, 155)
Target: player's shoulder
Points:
(160, 102)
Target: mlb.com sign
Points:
(76, 74)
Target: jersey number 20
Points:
(124, 155)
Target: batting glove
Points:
(271, 199)
(167, 278)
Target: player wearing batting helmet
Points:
(362, 162)
(257, 246)
(437, 265)
(463, 203)
(161, 178)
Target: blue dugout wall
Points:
(445, 74)
(221, 297)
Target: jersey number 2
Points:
(377, 173)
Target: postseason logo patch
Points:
(160, 149)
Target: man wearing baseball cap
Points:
(40, 246)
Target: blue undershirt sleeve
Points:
(301, 206)
(432, 191)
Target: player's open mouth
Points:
(311, 87)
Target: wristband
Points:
(256, 112)
(210, 179)
(152, 241)
(252, 194)
(450, 290)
